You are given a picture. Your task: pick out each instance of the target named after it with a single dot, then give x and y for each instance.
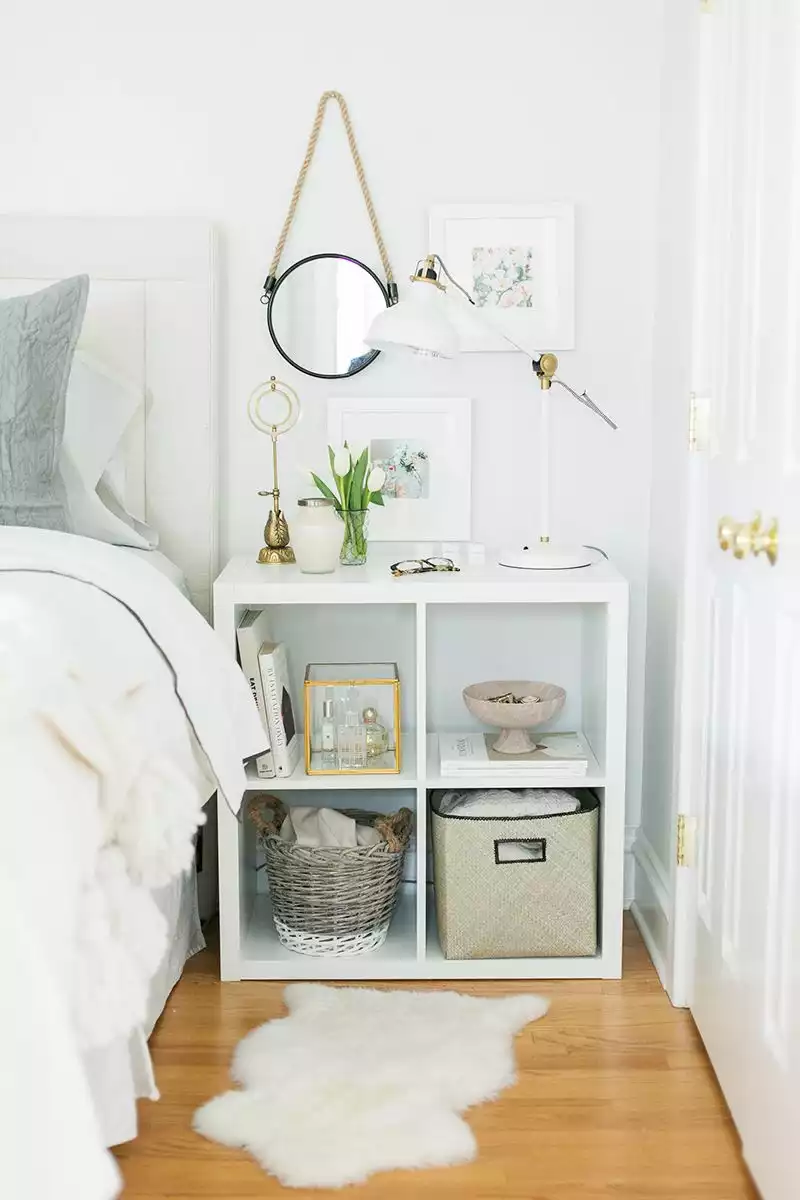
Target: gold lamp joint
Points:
(426, 272)
(545, 368)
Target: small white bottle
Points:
(328, 733)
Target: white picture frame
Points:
(518, 255)
(427, 444)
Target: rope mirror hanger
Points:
(344, 292)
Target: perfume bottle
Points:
(377, 737)
(327, 731)
(352, 742)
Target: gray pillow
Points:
(37, 341)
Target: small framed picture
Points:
(424, 446)
(517, 262)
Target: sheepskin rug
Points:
(355, 1081)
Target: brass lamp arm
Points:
(546, 376)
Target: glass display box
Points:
(352, 719)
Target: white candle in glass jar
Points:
(317, 534)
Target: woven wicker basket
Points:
(332, 900)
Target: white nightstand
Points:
(444, 631)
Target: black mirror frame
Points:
(282, 279)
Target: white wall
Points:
(182, 106)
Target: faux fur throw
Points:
(355, 1081)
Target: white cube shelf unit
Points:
(444, 631)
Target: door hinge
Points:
(699, 408)
(680, 847)
(684, 840)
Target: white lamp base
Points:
(548, 556)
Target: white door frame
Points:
(691, 706)
(689, 750)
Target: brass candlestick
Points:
(276, 548)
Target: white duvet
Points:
(120, 710)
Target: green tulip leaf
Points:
(357, 487)
(326, 491)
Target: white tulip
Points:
(341, 461)
(376, 479)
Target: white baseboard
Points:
(651, 906)
(630, 866)
(650, 941)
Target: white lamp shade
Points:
(419, 325)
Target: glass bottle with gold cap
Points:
(377, 735)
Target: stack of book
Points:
(266, 668)
(555, 754)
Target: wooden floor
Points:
(615, 1098)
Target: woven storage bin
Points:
(543, 907)
(332, 900)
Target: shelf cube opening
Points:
(259, 937)
(563, 644)
(349, 633)
(482, 851)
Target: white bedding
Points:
(119, 710)
(206, 678)
(159, 562)
(121, 1073)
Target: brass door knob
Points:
(766, 542)
(726, 529)
(747, 537)
(744, 539)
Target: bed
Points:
(120, 711)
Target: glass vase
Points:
(354, 543)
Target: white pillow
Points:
(108, 493)
(99, 409)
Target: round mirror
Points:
(319, 313)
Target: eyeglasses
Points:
(422, 566)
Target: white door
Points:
(746, 996)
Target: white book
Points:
(554, 754)
(274, 667)
(252, 632)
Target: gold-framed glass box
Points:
(352, 719)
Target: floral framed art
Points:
(425, 448)
(518, 264)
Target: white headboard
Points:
(151, 317)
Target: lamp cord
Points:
(301, 178)
(584, 398)
(454, 282)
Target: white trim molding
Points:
(651, 904)
(630, 865)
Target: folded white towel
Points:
(509, 802)
(326, 827)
